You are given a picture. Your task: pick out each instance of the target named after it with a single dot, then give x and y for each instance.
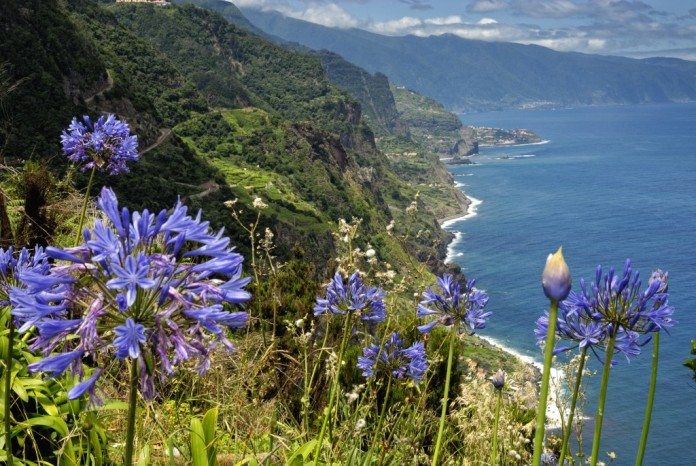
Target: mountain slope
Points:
(227, 115)
(371, 90)
(476, 75)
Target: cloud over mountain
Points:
(596, 26)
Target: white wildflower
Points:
(259, 204)
(360, 424)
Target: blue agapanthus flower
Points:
(548, 459)
(25, 284)
(159, 289)
(352, 297)
(393, 359)
(24, 264)
(612, 305)
(106, 144)
(574, 328)
(454, 304)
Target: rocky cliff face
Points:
(464, 148)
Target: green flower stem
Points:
(546, 375)
(305, 396)
(8, 389)
(84, 206)
(573, 402)
(132, 405)
(334, 388)
(494, 445)
(309, 378)
(599, 417)
(441, 429)
(651, 399)
(380, 422)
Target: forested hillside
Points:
(225, 115)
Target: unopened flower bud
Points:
(556, 277)
(498, 379)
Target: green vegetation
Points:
(430, 122)
(259, 138)
(372, 91)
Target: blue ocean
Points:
(611, 183)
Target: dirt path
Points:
(165, 133)
(105, 88)
(209, 188)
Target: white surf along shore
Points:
(553, 415)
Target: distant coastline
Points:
(543, 141)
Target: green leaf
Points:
(209, 427)
(302, 453)
(250, 461)
(96, 447)
(110, 406)
(144, 456)
(18, 388)
(52, 422)
(199, 455)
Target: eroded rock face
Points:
(464, 148)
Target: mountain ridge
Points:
(471, 75)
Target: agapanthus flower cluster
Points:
(15, 266)
(354, 297)
(393, 359)
(612, 305)
(27, 273)
(106, 144)
(153, 288)
(454, 304)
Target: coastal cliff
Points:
(443, 133)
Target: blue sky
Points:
(623, 27)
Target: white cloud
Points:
(444, 21)
(396, 26)
(250, 3)
(486, 6)
(331, 15)
(597, 25)
(566, 44)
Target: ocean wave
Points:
(458, 184)
(458, 235)
(521, 156)
(545, 141)
(472, 211)
(553, 414)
